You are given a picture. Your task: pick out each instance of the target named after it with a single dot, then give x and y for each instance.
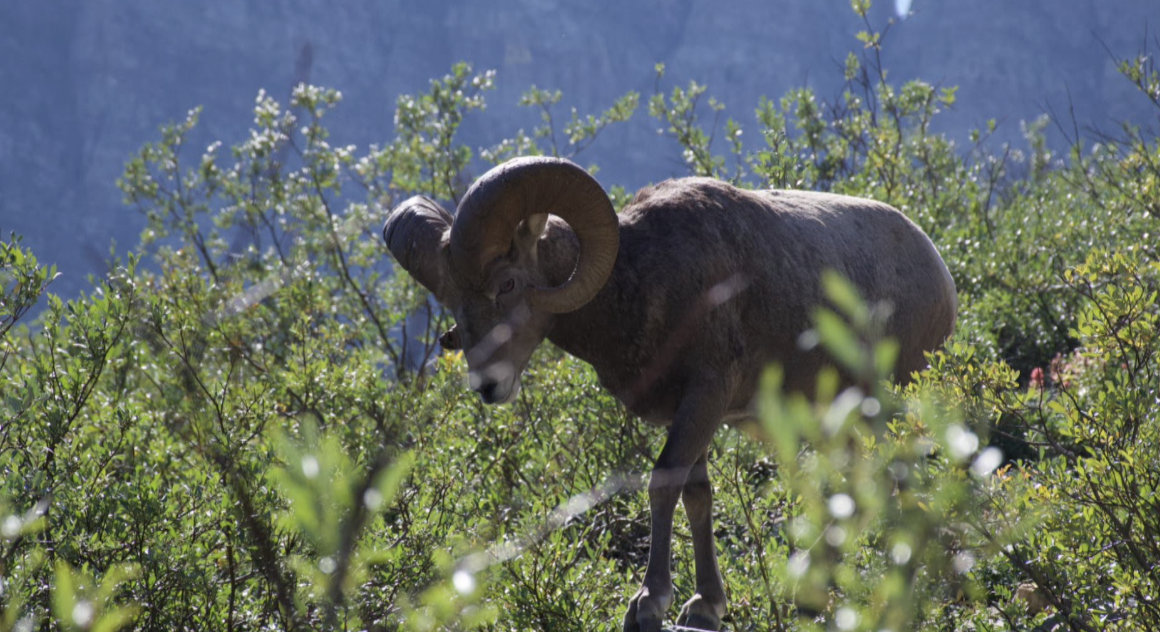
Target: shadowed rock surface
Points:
(85, 84)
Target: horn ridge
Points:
(414, 233)
(507, 194)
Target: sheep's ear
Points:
(450, 340)
(416, 233)
(528, 234)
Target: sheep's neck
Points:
(593, 333)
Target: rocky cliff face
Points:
(86, 83)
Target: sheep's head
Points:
(484, 266)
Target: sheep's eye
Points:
(507, 286)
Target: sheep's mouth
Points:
(496, 384)
(498, 393)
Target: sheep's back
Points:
(752, 262)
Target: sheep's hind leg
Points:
(689, 437)
(705, 609)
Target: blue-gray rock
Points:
(86, 83)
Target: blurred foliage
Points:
(248, 423)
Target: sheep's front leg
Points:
(688, 441)
(705, 609)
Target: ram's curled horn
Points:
(495, 205)
(414, 232)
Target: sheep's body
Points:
(657, 323)
(679, 303)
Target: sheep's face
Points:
(484, 268)
(498, 329)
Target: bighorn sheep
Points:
(679, 303)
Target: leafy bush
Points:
(248, 424)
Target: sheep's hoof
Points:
(645, 612)
(699, 614)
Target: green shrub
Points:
(248, 424)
